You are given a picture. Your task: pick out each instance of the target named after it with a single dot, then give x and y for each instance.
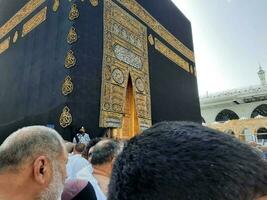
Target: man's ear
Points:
(42, 170)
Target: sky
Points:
(230, 41)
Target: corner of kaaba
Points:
(114, 66)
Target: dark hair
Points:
(90, 144)
(79, 147)
(104, 151)
(186, 161)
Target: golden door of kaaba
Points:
(125, 96)
(130, 125)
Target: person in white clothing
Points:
(76, 162)
(81, 137)
(101, 155)
(86, 174)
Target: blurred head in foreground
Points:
(186, 161)
(33, 164)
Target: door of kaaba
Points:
(114, 66)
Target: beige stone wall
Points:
(238, 126)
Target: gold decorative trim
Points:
(67, 86)
(70, 59)
(163, 49)
(72, 36)
(4, 45)
(94, 2)
(15, 37)
(142, 14)
(74, 12)
(56, 5)
(24, 12)
(151, 39)
(65, 117)
(34, 22)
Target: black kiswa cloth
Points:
(78, 190)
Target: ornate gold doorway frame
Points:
(125, 96)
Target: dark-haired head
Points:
(79, 148)
(186, 161)
(91, 143)
(104, 152)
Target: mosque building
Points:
(241, 112)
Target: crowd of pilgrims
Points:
(91, 163)
(169, 161)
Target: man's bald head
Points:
(28, 143)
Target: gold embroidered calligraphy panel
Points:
(125, 59)
(34, 22)
(143, 15)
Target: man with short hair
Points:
(32, 165)
(78, 148)
(101, 157)
(186, 161)
(90, 144)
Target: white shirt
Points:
(75, 164)
(86, 174)
(83, 138)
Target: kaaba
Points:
(113, 66)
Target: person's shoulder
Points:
(72, 157)
(82, 159)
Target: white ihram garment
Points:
(87, 174)
(75, 164)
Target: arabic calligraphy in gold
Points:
(74, 12)
(72, 36)
(65, 118)
(34, 22)
(70, 59)
(67, 86)
(125, 56)
(142, 14)
(163, 49)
